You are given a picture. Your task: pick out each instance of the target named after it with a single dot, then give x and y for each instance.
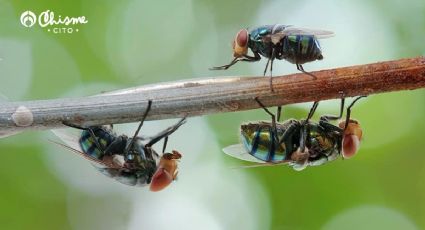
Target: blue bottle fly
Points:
(295, 45)
(298, 143)
(124, 158)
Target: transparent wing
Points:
(302, 31)
(238, 151)
(277, 36)
(71, 141)
(130, 179)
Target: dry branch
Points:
(213, 95)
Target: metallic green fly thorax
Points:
(321, 142)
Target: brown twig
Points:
(212, 95)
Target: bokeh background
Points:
(129, 43)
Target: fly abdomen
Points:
(299, 49)
(88, 144)
(261, 143)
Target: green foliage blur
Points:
(382, 187)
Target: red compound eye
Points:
(350, 145)
(160, 180)
(352, 136)
(242, 38)
(240, 44)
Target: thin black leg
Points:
(223, 67)
(270, 113)
(92, 135)
(165, 144)
(271, 62)
(279, 112)
(303, 130)
(332, 117)
(288, 131)
(114, 147)
(235, 60)
(267, 111)
(329, 127)
(312, 110)
(347, 118)
(165, 132)
(73, 126)
(300, 68)
(254, 58)
(267, 66)
(140, 126)
(271, 70)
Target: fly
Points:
(299, 143)
(124, 158)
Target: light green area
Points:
(131, 43)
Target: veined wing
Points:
(112, 168)
(238, 151)
(72, 144)
(128, 178)
(277, 36)
(303, 31)
(70, 139)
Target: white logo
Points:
(53, 23)
(28, 18)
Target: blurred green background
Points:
(129, 43)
